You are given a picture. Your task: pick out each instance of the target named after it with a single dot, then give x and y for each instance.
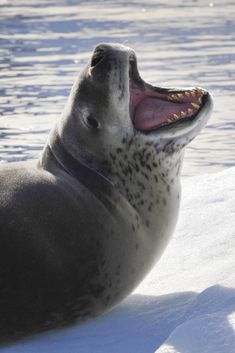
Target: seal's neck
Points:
(148, 179)
(55, 158)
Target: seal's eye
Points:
(91, 122)
(97, 57)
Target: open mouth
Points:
(152, 108)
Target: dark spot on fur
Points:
(150, 207)
(148, 155)
(141, 185)
(137, 167)
(129, 169)
(147, 223)
(123, 181)
(120, 164)
(142, 162)
(145, 175)
(113, 157)
(156, 178)
(141, 203)
(129, 143)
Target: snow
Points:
(187, 302)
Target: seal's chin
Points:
(153, 108)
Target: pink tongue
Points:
(152, 112)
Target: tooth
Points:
(176, 117)
(190, 111)
(180, 95)
(187, 94)
(200, 90)
(183, 114)
(193, 93)
(173, 96)
(195, 106)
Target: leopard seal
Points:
(81, 227)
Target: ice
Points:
(187, 303)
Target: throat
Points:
(147, 179)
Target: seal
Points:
(81, 227)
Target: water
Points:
(44, 44)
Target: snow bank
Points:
(187, 303)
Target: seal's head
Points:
(110, 103)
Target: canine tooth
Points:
(183, 114)
(200, 90)
(195, 106)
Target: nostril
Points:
(132, 58)
(98, 55)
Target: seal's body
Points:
(80, 228)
